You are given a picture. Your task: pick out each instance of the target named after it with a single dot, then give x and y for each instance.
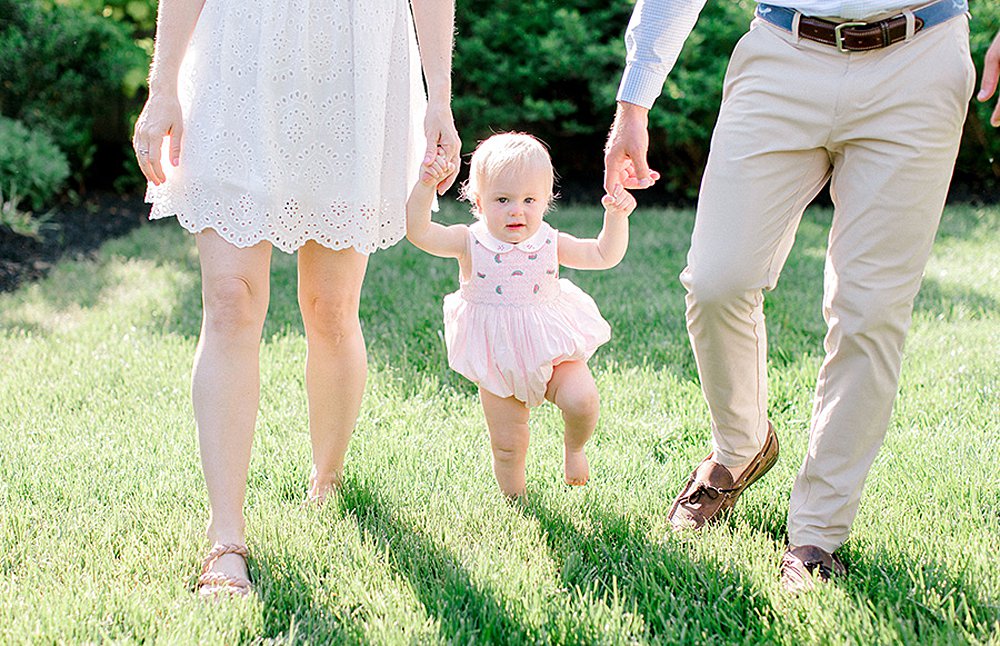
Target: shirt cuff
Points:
(641, 85)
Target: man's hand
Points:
(991, 74)
(625, 154)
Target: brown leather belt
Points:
(854, 36)
(857, 36)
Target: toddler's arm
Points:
(434, 238)
(609, 247)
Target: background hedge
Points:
(550, 67)
(32, 167)
(62, 72)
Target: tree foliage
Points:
(32, 168)
(62, 68)
(550, 67)
(979, 156)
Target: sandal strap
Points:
(219, 550)
(224, 583)
(220, 580)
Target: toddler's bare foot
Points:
(577, 468)
(516, 500)
(322, 488)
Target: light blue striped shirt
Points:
(658, 29)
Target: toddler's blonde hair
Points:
(504, 153)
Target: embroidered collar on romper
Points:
(532, 244)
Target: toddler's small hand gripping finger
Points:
(625, 201)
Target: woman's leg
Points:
(336, 364)
(225, 383)
(507, 420)
(572, 389)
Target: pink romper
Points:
(514, 319)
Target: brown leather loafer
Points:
(802, 566)
(711, 490)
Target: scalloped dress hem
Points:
(287, 247)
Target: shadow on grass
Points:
(290, 610)
(401, 301)
(466, 611)
(680, 598)
(73, 286)
(929, 601)
(923, 599)
(948, 302)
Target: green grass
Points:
(103, 508)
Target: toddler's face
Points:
(512, 205)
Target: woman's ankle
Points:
(226, 534)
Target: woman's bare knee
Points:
(232, 308)
(331, 320)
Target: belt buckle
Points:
(838, 34)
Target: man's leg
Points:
(766, 163)
(893, 160)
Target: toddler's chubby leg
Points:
(572, 389)
(507, 420)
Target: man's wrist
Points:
(631, 111)
(641, 84)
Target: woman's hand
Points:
(439, 127)
(161, 117)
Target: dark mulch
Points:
(76, 230)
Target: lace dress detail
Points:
(513, 318)
(303, 121)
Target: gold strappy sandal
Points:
(211, 584)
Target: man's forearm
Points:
(653, 41)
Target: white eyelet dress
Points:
(303, 120)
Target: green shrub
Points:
(31, 165)
(979, 157)
(552, 67)
(62, 70)
(547, 67)
(32, 172)
(682, 121)
(138, 15)
(138, 20)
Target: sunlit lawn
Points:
(103, 508)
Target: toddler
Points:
(514, 327)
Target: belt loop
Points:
(911, 23)
(796, 17)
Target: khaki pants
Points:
(884, 126)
